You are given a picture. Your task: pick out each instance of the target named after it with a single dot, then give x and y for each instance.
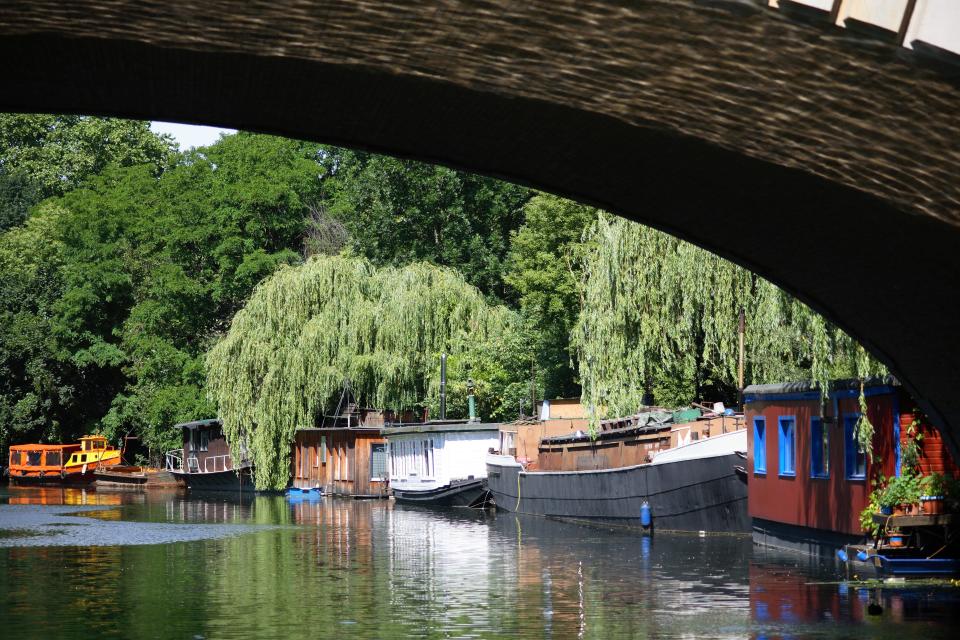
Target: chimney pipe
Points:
(443, 386)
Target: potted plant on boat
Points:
(902, 493)
(940, 492)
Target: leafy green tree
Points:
(17, 195)
(544, 271)
(149, 268)
(661, 315)
(308, 328)
(35, 385)
(401, 211)
(58, 153)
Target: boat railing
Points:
(213, 464)
(175, 460)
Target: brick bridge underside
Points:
(828, 163)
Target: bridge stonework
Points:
(824, 160)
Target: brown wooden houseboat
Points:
(346, 457)
(205, 462)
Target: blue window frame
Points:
(759, 445)
(787, 439)
(856, 460)
(819, 449)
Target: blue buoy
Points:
(862, 556)
(842, 555)
(645, 516)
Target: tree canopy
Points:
(136, 274)
(48, 155)
(402, 211)
(307, 329)
(127, 272)
(660, 315)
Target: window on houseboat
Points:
(819, 449)
(788, 445)
(378, 461)
(759, 445)
(204, 440)
(14, 458)
(305, 461)
(83, 458)
(856, 460)
(33, 458)
(53, 458)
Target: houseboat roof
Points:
(804, 388)
(583, 436)
(43, 447)
(440, 426)
(209, 422)
(93, 437)
(355, 427)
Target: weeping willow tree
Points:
(308, 328)
(659, 314)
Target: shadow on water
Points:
(373, 569)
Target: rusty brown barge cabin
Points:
(347, 457)
(205, 462)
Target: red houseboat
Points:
(808, 479)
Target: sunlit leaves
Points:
(307, 329)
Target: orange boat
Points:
(61, 463)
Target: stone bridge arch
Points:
(825, 159)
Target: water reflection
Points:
(372, 569)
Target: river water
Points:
(83, 564)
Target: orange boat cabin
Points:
(55, 463)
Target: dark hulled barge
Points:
(645, 470)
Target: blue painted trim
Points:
(896, 432)
(762, 471)
(780, 397)
(781, 458)
(850, 449)
(824, 475)
(869, 392)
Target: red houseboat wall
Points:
(934, 455)
(833, 500)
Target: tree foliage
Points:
(402, 211)
(544, 272)
(661, 315)
(139, 272)
(48, 155)
(122, 261)
(307, 329)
